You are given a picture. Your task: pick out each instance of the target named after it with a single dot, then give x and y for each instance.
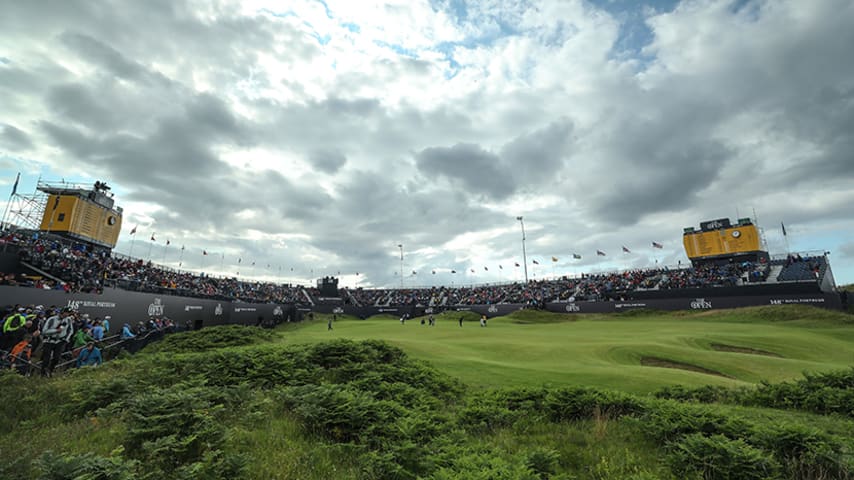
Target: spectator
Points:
(57, 332)
(90, 355)
(19, 357)
(97, 331)
(127, 333)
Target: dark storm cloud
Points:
(327, 160)
(468, 166)
(77, 103)
(113, 61)
(669, 178)
(539, 155)
(13, 138)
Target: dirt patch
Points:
(752, 351)
(663, 363)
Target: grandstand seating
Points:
(799, 268)
(75, 267)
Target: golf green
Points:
(638, 353)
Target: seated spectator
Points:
(127, 332)
(90, 355)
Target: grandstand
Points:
(728, 269)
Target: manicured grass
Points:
(539, 348)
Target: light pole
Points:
(524, 255)
(400, 246)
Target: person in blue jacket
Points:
(127, 332)
(90, 355)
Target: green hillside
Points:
(532, 396)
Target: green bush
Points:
(342, 414)
(581, 403)
(543, 462)
(805, 452)
(53, 466)
(717, 457)
(484, 466)
(485, 417)
(210, 339)
(666, 421)
(98, 392)
(705, 394)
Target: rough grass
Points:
(304, 402)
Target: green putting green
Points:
(640, 352)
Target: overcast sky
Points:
(317, 136)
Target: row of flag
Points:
(575, 256)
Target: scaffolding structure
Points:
(26, 211)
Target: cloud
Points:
(13, 138)
(328, 161)
(237, 127)
(468, 166)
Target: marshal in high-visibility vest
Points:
(87, 215)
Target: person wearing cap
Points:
(89, 355)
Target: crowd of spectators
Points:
(798, 268)
(35, 338)
(84, 269)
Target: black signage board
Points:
(715, 224)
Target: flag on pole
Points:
(535, 262)
(600, 253)
(133, 230)
(554, 259)
(626, 250)
(657, 245)
(15, 186)
(576, 256)
(784, 228)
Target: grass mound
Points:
(530, 316)
(210, 339)
(790, 313)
